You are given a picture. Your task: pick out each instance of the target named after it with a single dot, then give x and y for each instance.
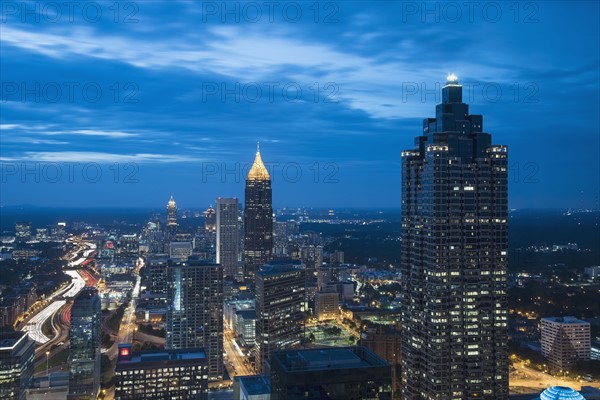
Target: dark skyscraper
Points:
(280, 291)
(340, 373)
(195, 311)
(258, 218)
(172, 217)
(227, 235)
(84, 353)
(454, 258)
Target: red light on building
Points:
(125, 352)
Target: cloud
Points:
(50, 129)
(98, 157)
(363, 82)
(93, 132)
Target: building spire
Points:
(258, 172)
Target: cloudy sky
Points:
(125, 105)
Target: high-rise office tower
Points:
(340, 373)
(16, 364)
(23, 231)
(454, 258)
(161, 374)
(258, 217)
(84, 353)
(172, 225)
(227, 235)
(280, 291)
(157, 270)
(312, 257)
(210, 220)
(195, 310)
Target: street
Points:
(235, 356)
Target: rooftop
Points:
(279, 266)
(254, 384)
(9, 340)
(159, 355)
(328, 358)
(566, 320)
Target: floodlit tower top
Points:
(258, 172)
(451, 78)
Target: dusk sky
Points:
(170, 98)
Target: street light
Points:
(47, 356)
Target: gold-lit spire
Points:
(258, 172)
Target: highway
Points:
(34, 325)
(57, 307)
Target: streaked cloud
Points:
(97, 157)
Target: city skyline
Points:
(357, 200)
(181, 129)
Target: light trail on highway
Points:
(35, 324)
(78, 284)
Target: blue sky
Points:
(127, 105)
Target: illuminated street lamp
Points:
(47, 357)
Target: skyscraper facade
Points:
(16, 364)
(454, 258)
(195, 311)
(565, 341)
(84, 353)
(258, 217)
(227, 235)
(280, 291)
(172, 224)
(161, 374)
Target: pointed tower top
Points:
(258, 172)
(171, 200)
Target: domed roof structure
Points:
(560, 393)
